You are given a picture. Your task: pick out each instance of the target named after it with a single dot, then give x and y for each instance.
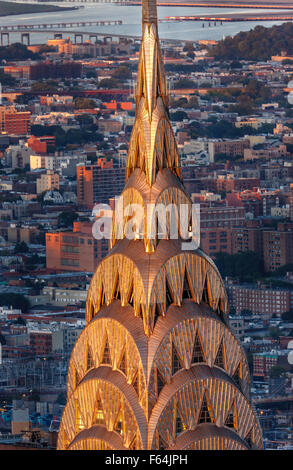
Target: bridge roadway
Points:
(80, 34)
(228, 4)
(30, 27)
(272, 4)
(285, 403)
(230, 18)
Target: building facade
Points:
(260, 300)
(278, 246)
(75, 251)
(98, 183)
(14, 122)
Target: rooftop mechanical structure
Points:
(157, 366)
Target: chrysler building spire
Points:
(157, 366)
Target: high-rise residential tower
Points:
(156, 366)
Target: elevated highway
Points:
(78, 34)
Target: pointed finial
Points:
(149, 11)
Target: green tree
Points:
(84, 103)
(258, 44)
(184, 83)
(61, 398)
(108, 83)
(17, 301)
(21, 248)
(6, 79)
(246, 266)
(287, 316)
(274, 332)
(48, 86)
(20, 321)
(16, 51)
(85, 120)
(67, 218)
(122, 73)
(178, 116)
(34, 396)
(276, 372)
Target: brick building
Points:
(263, 363)
(216, 223)
(215, 240)
(40, 70)
(98, 183)
(40, 144)
(278, 246)
(248, 238)
(75, 251)
(260, 300)
(40, 342)
(14, 122)
(231, 148)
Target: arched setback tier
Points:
(150, 283)
(114, 338)
(209, 436)
(201, 395)
(187, 335)
(103, 398)
(167, 192)
(97, 438)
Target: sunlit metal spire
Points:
(157, 366)
(152, 145)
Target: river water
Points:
(131, 18)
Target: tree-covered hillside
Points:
(11, 8)
(259, 44)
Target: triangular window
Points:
(118, 425)
(79, 426)
(169, 298)
(186, 294)
(102, 296)
(157, 314)
(130, 301)
(176, 363)
(116, 293)
(178, 423)
(237, 376)
(106, 355)
(136, 384)
(99, 417)
(220, 357)
(249, 438)
(76, 378)
(90, 361)
(123, 365)
(205, 415)
(160, 383)
(197, 353)
(231, 419)
(205, 293)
